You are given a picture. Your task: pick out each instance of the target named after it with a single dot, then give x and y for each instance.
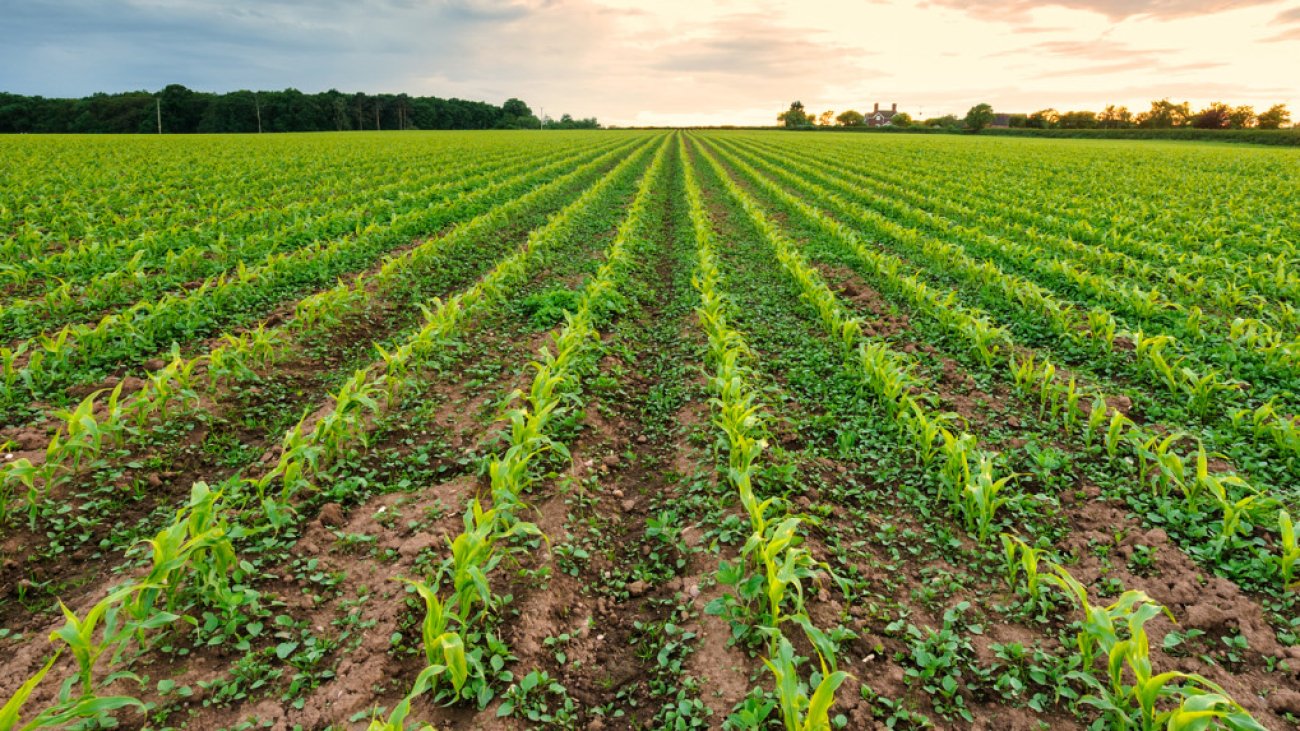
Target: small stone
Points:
(642, 439)
(153, 480)
(610, 460)
(331, 515)
(637, 588)
(628, 505)
(154, 364)
(616, 492)
(693, 590)
(596, 725)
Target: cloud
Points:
(1098, 49)
(1015, 10)
(1291, 34)
(1288, 16)
(751, 45)
(671, 61)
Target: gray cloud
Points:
(1288, 16)
(74, 47)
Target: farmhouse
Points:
(881, 117)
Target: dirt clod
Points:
(331, 515)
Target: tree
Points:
(901, 119)
(1216, 116)
(979, 117)
(1113, 117)
(1078, 120)
(1276, 116)
(515, 108)
(824, 119)
(1043, 119)
(1242, 117)
(948, 121)
(1165, 114)
(795, 117)
(850, 118)
(181, 109)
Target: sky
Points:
(673, 62)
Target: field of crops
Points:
(648, 430)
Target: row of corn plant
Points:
(1257, 261)
(192, 560)
(81, 202)
(1130, 692)
(1083, 410)
(1211, 275)
(774, 565)
(307, 448)
(291, 209)
(458, 599)
(56, 359)
(970, 485)
(137, 279)
(1195, 285)
(1095, 328)
(197, 549)
(1180, 371)
(97, 423)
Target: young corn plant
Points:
(196, 546)
(444, 649)
(982, 497)
(396, 720)
(103, 631)
(801, 711)
(1021, 558)
(64, 711)
(1289, 549)
(1130, 690)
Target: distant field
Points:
(648, 430)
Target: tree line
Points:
(177, 109)
(1163, 114)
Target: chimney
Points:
(877, 109)
(895, 109)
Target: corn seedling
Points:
(1288, 547)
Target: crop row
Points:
(90, 428)
(1152, 456)
(33, 370)
(197, 550)
(107, 277)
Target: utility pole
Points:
(157, 108)
(257, 106)
(541, 119)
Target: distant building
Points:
(1001, 120)
(881, 117)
